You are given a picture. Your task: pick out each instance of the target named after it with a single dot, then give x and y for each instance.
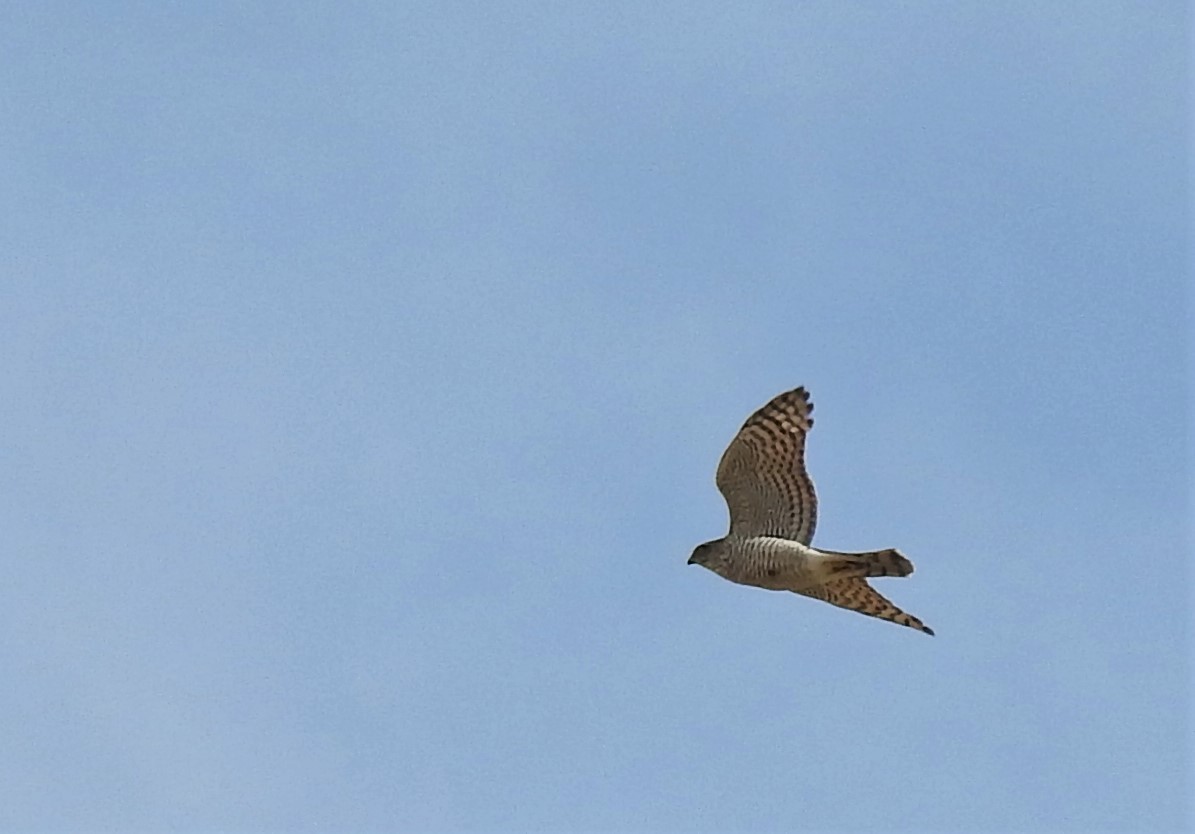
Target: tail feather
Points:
(888, 562)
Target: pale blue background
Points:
(366, 367)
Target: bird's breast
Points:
(772, 563)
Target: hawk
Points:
(773, 512)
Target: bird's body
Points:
(773, 513)
(785, 565)
(770, 562)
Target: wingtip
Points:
(928, 630)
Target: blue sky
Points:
(367, 366)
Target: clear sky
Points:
(366, 367)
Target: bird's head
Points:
(709, 555)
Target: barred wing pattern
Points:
(855, 594)
(762, 473)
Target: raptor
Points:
(773, 513)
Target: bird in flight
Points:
(773, 512)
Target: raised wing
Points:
(762, 474)
(856, 595)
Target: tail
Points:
(874, 563)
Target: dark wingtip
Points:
(928, 630)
